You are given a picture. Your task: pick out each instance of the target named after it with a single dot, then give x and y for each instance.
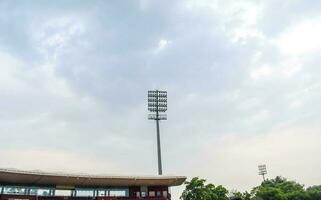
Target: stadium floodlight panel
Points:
(262, 169)
(159, 117)
(157, 101)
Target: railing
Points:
(27, 197)
(132, 198)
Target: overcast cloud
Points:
(243, 80)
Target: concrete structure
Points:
(38, 185)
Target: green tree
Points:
(238, 195)
(280, 189)
(284, 185)
(246, 196)
(270, 193)
(197, 189)
(314, 192)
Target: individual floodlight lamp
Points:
(262, 171)
(157, 105)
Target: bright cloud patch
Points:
(162, 44)
(262, 72)
(301, 38)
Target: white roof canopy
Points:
(20, 177)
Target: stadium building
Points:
(38, 185)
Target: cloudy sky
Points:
(243, 80)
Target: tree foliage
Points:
(197, 189)
(281, 189)
(278, 188)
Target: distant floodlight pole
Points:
(157, 104)
(262, 171)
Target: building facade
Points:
(37, 185)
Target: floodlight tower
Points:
(157, 105)
(262, 171)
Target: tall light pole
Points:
(262, 171)
(157, 105)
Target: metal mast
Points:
(157, 105)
